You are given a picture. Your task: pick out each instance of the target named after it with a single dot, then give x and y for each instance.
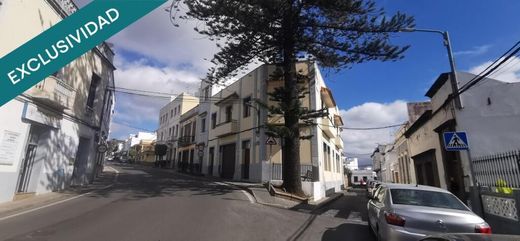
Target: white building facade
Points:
(49, 135)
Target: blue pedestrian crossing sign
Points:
(456, 141)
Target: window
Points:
(94, 83)
(213, 120)
(247, 107)
(170, 132)
(229, 113)
(206, 93)
(193, 131)
(203, 125)
(356, 179)
(326, 156)
(426, 198)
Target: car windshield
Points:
(426, 198)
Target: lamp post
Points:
(447, 43)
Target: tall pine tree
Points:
(336, 33)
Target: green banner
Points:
(66, 41)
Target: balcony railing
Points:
(226, 128)
(53, 92)
(186, 141)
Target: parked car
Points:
(413, 212)
(472, 237)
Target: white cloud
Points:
(371, 115)
(143, 111)
(155, 37)
(142, 75)
(474, 51)
(509, 72)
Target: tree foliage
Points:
(334, 33)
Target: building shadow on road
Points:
(140, 183)
(348, 231)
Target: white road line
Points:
(62, 201)
(248, 195)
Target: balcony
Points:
(54, 93)
(328, 127)
(339, 142)
(226, 128)
(186, 141)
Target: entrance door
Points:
(211, 160)
(426, 168)
(26, 168)
(228, 161)
(246, 151)
(79, 176)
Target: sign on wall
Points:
(455, 141)
(10, 140)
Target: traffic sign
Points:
(102, 148)
(270, 141)
(455, 141)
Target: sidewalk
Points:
(106, 179)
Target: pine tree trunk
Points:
(291, 145)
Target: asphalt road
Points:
(152, 204)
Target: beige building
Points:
(145, 152)
(49, 135)
(237, 149)
(188, 157)
(169, 125)
(406, 170)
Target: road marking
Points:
(62, 201)
(354, 216)
(331, 213)
(248, 195)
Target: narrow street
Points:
(154, 204)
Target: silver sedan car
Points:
(403, 212)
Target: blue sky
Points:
(491, 26)
(154, 55)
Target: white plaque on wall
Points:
(10, 140)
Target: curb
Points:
(329, 200)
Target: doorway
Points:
(79, 175)
(211, 160)
(246, 158)
(426, 168)
(228, 161)
(26, 169)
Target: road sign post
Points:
(270, 141)
(458, 141)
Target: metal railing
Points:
(503, 167)
(186, 140)
(276, 170)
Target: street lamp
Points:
(447, 43)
